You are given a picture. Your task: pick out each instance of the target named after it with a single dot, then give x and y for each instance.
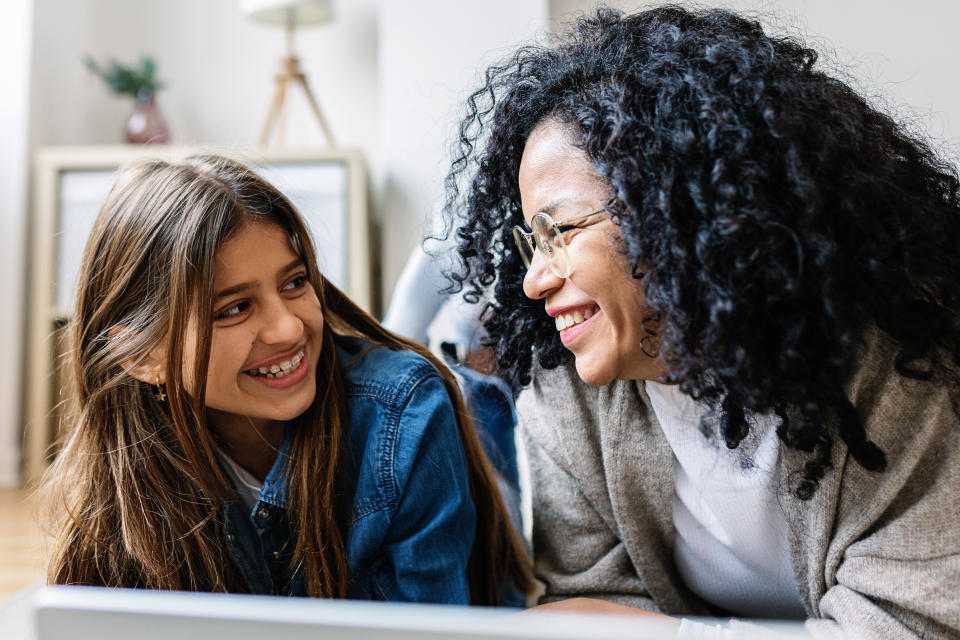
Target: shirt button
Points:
(263, 513)
(230, 537)
(276, 555)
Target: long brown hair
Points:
(135, 494)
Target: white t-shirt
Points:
(731, 543)
(243, 481)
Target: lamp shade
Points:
(282, 12)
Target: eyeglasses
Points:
(547, 236)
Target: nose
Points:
(540, 279)
(280, 324)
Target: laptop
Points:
(94, 613)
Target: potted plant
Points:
(140, 82)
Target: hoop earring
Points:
(651, 335)
(161, 394)
(643, 347)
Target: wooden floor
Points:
(21, 555)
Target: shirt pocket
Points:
(377, 581)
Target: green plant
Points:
(127, 80)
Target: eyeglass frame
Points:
(534, 241)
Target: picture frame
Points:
(328, 186)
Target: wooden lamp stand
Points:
(290, 72)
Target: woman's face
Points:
(267, 331)
(557, 178)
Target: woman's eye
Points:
(567, 230)
(232, 311)
(298, 282)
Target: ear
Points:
(151, 368)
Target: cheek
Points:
(315, 319)
(624, 298)
(229, 350)
(611, 278)
(311, 313)
(222, 352)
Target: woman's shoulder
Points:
(571, 420)
(380, 373)
(879, 390)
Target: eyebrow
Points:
(551, 207)
(243, 286)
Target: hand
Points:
(597, 606)
(483, 360)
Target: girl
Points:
(235, 423)
(731, 288)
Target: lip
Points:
(293, 378)
(555, 311)
(570, 334)
(283, 357)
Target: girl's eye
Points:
(298, 282)
(232, 311)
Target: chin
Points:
(297, 413)
(594, 376)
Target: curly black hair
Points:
(771, 215)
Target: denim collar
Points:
(274, 490)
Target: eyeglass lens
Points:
(548, 239)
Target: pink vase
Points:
(146, 125)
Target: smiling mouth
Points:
(280, 369)
(567, 320)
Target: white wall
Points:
(14, 116)
(904, 55)
(432, 55)
(218, 66)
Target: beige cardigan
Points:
(875, 554)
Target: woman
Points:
(237, 424)
(760, 273)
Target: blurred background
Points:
(390, 76)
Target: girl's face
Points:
(557, 178)
(267, 330)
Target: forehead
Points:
(555, 175)
(255, 247)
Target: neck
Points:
(250, 443)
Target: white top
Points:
(731, 543)
(243, 481)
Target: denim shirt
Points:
(411, 525)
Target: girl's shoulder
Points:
(376, 372)
(397, 412)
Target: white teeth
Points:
(567, 320)
(280, 369)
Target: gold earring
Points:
(160, 395)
